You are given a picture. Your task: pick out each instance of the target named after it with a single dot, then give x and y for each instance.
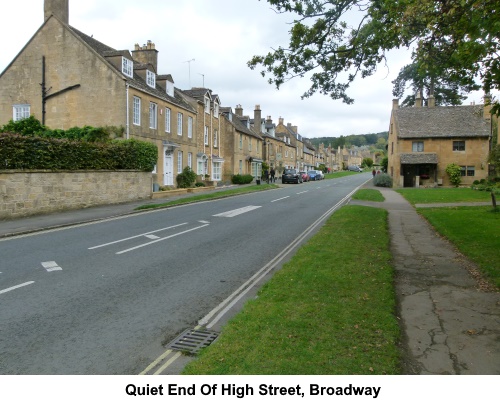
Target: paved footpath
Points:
(451, 325)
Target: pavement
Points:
(450, 320)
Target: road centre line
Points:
(159, 240)
(136, 236)
(16, 286)
(279, 199)
(238, 211)
(303, 192)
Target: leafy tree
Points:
(444, 90)
(456, 39)
(367, 162)
(494, 158)
(453, 170)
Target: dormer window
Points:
(216, 109)
(127, 67)
(170, 89)
(207, 105)
(150, 79)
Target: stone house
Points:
(242, 146)
(66, 78)
(209, 132)
(294, 146)
(424, 140)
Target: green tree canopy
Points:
(337, 41)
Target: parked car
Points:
(354, 168)
(305, 176)
(320, 174)
(291, 176)
(313, 175)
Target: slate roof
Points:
(235, 121)
(419, 158)
(441, 122)
(136, 82)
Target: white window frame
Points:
(216, 171)
(190, 160)
(20, 111)
(150, 79)
(249, 144)
(417, 146)
(216, 109)
(179, 124)
(179, 161)
(127, 67)
(153, 115)
(170, 89)
(190, 127)
(207, 105)
(205, 136)
(241, 141)
(216, 140)
(136, 113)
(168, 119)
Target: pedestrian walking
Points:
(273, 174)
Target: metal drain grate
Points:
(192, 340)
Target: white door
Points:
(168, 174)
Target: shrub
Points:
(26, 126)
(454, 172)
(36, 153)
(187, 178)
(242, 179)
(199, 184)
(382, 180)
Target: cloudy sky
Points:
(218, 37)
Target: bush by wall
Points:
(36, 153)
(382, 180)
(242, 179)
(187, 178)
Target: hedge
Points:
(36, 153)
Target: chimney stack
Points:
(395, 103)
(431, 101)
(257, 119)
(57, 8)
(238, 110)
(418, 100)
(146, 54)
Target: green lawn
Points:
(443, 195)
(330, 310)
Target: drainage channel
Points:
(191, 341)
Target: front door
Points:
(409, 175)
(168, 166)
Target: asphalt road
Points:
(104, 298)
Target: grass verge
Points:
(210, 196)
(474, 231)
(368, 194)
(330, 310)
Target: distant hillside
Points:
(350, 140)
